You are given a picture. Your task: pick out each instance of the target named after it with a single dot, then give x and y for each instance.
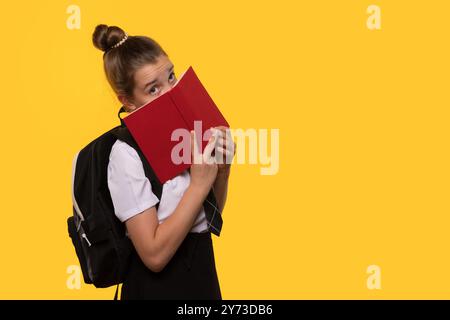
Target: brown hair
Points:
(120, 63)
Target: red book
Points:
(153, 124)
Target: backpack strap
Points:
(122, 109)
(122, 133)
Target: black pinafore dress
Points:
(190, 274)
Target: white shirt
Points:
(131, 190)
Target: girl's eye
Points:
(154, 90)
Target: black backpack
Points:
(99, 237)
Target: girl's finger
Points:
(196, 153)
(207, 153)
(221, 141)
(218, 133)
(227, 153)
(228, 134)
(224, 150)
(229, 144)
(221, 128)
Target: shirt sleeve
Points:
(130, 189)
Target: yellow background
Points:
(363, 118)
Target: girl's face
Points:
(151, 81)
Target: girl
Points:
(174, 259)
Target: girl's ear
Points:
(127, 103)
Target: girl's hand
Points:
(225, 149)
(203, 169)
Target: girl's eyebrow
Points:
(154, 80)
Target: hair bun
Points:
(105, 37)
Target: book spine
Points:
(188, 127)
